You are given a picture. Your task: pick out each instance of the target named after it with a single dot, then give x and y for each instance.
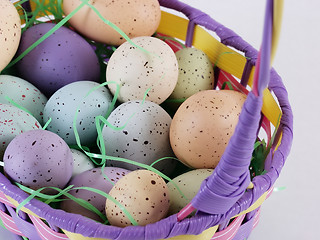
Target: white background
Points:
(292, 213)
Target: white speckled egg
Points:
(134, 17)
(14, 121)
(189, 184)
(203, 125)
(38, 158)
(62, 107)
(81, 162)
(145, 196)
(94, 179)
(23, 93)
(145, 137)
(195, 73)
(137, 71)
(10, 32)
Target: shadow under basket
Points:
(239, 214)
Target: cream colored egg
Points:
(152, 72)
(143, 193)
(134, 17)
(189, 184)
(195, 73)
(10, 32)
(203, 125)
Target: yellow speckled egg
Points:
(134, 17)
(202, 126)
(137, 72)
(145, 196)
(189, 184)
(10, 32)
(195, 73)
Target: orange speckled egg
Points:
(202, 126)
(134, 17)
(145, 196)
(10, 32)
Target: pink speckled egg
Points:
(143, 193)
(95, 179)
(39, 158)
(24, 94)
(14, 121)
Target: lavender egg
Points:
(94, 179)
(144, 138)
(38, 158)
(71, 99)
(62, 58)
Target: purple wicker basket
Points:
(216, 206)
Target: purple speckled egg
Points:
(62, 58)
(39, 158)
(95, 179)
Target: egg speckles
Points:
(93, 178)
(202, 126)
(134, 17)
(145, 137)
(195, 73)
(23, 93)
(145, 196)
(10, 32)
(14, 121)
(38, 158)
(81, 162)
(64, 104)
(139, 73)
(64, 57)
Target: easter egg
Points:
(203, 125)
(14, 121)
(10, 31)
(152, 73)
(72, 102)
(24, 94)
(93, 178)
(143, 193)
(195, 73)
(144, 137)
(81, 162)
(38, 158)
(64, 57)
(189, 184)
(134, 17)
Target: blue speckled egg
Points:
(62, 107)
(145, 137)
(38, 158)
(62, 58)
(24, 94)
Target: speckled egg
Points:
(145, 137)
(14, 121)
(63, 58)
(134, 17)
(203, 125)
(139, 73)
(145, 196)
(10, 31)
(94, 179)
(38, 158)
(195, 73)
(63, 104)
(189, 184)
(81, 162)
(24, 94)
